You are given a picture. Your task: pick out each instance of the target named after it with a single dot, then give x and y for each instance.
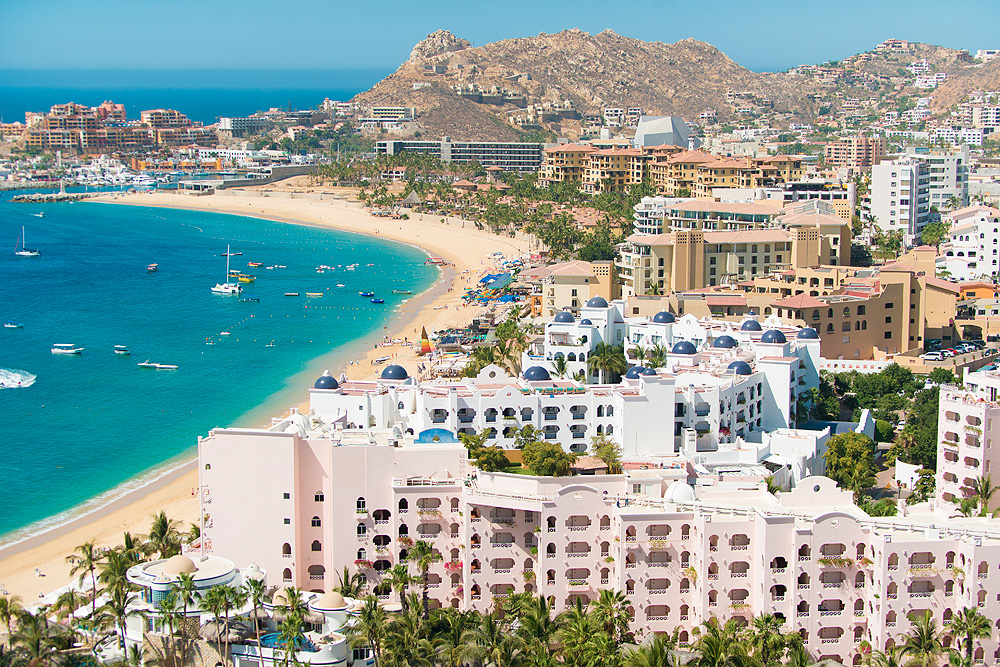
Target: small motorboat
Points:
(209, 341)
(166, 367)
(66, 348)
(366, 294)
(153, 268)
(291, 293)
(280, 266)
(369, 265)
(12, 325)
(341, 285)
(378, 300)
(121, 349)
(271, 344)
(230, 254)
(146, 364)
(402, 291)
(246, 278)
(255, 264)
(314, 294)
(224, 333)
(40, 214)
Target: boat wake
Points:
(14, 379)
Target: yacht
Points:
(153, 268)
(227, 287)
(12, 325)
(166, 367)
(122, 350)
(65, 348)
(22, 251)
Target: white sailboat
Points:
(227, 287)
(20, 250)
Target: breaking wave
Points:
(11, 378)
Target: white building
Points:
(948, 172)
(900, 196)
(973, 249)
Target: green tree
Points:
(766, 639)
(538, 625)
(163, 537)
(10, 607)
(424, 555)
(560, 366)
(610, 613)
(350, 585)
(370, 629)
(850, 461)
(85, 560)
(983, 492)
(967, 626)
(608, 451)
(942, 376)
(400, 580)
(117, 609)
(923, 646)
(491, 459)
(256, 592)
(934, 233)
(609, 360)
(720, 645)
(547, 459)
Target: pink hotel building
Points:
(303, 499)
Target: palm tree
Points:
(214, 602)
(656, 356)
(163, 537)
(720, 646)
(66, 604)
(490, 642)
(10, 607)
(890, 658)
(608, 359)
(577, 629)
(256, 591)
(290, 638)
(967, 626)
(350, 585)
(86, 563)
(114, 569)
(400, 579)
(117, 610)
(982, 491)
(537, 624)
(166, 607)
(610, 612)
(923, 646)
(33, 639)
(370, 628)
(767, 641)
(772, 486)
(423, 554)
(449, 643)
(133, 549)
(560, 366)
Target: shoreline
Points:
(439, 306)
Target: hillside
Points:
(549, 84)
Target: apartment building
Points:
(697, 174)
(520, 156)
(164, 118)
(857, 153)
(237, 127)
(901, 196)
(845, 582)
(948, 174)
(971, 252)
(841, 196)
(968, 425)
(614, 170)
(565, 162)
(568, 285)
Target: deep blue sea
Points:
(93, 422)
(202, 95)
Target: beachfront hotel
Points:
(682, 541)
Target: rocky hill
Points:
(551, 83)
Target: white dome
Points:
(179, 564)
(680, 492)
(329, 601)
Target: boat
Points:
(271, 344)
(209, 341)
(341, 285)
(369, 265)
(11, 325)
(402, 291)
(224, 333)
(378, 300)
(234, 273)
(366, 293)
(66, 348)
(121, 349)
(24, 252)
(255, 264)
(146, 364)
(291, 293)
(230, 254)
(280, 266)
(40, 214)
(314, 294)
(246, 278)
(165, 367)
(227, 287)
(153, 268)
(248, 299)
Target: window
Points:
(316, 523)
(573, 293)
(286, 496)
(888, 319)
(888, 335)
(360, 505)
(318, 497)
(861, 310)
(316, 546)
(889, 306)
(288, 521)
(711, 261)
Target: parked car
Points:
(948, 353)
(932, 356)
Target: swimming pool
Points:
(272, 640)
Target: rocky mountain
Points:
(548, 85)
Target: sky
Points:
(763, 35)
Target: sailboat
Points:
(227, 287)
(24, 252)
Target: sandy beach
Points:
(468, 252)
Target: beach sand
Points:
(467, 250)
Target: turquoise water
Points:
(89, 423)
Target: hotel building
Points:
(521, 156)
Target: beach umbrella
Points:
(425, 343)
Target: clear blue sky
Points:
(332, 34)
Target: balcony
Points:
(830, 612)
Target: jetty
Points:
(52, 197)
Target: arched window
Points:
(361, 504)
(286, 550)
(316, 522)
(362, 530)
(610, 411)
(600, 430)
(403, 505)
(609, 430)
(600, 410)
(362, 554)
(847, 311)
(208, 466)
(318, 497)
(316, 546)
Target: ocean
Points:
(202, 95)
(95, 424)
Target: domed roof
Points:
(597, 302)
(680, 492)
(724, 342)
(326, 381)
(253, 571)
(563, 316)
(536, 374)
(329, 601)
(683, 347)
(279, 597)
(633, 372)
(740, 368)
(394, 372)
(649, 371)
(772, 336)
(179, 564)
(750, 325)
(664, 317)
(586, 322)
(808, 333)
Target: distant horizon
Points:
(769, 35)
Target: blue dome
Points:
(772, 336)
(649, 371)
(585, 322)
(750, 325)
(663, 317)
(725, 342)
(684, 347)
(326, 381)
(808, 334)
(394, 372)
(563, 316)
(740, 368)
(597, 302)
(633, 372)
(536, 374)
